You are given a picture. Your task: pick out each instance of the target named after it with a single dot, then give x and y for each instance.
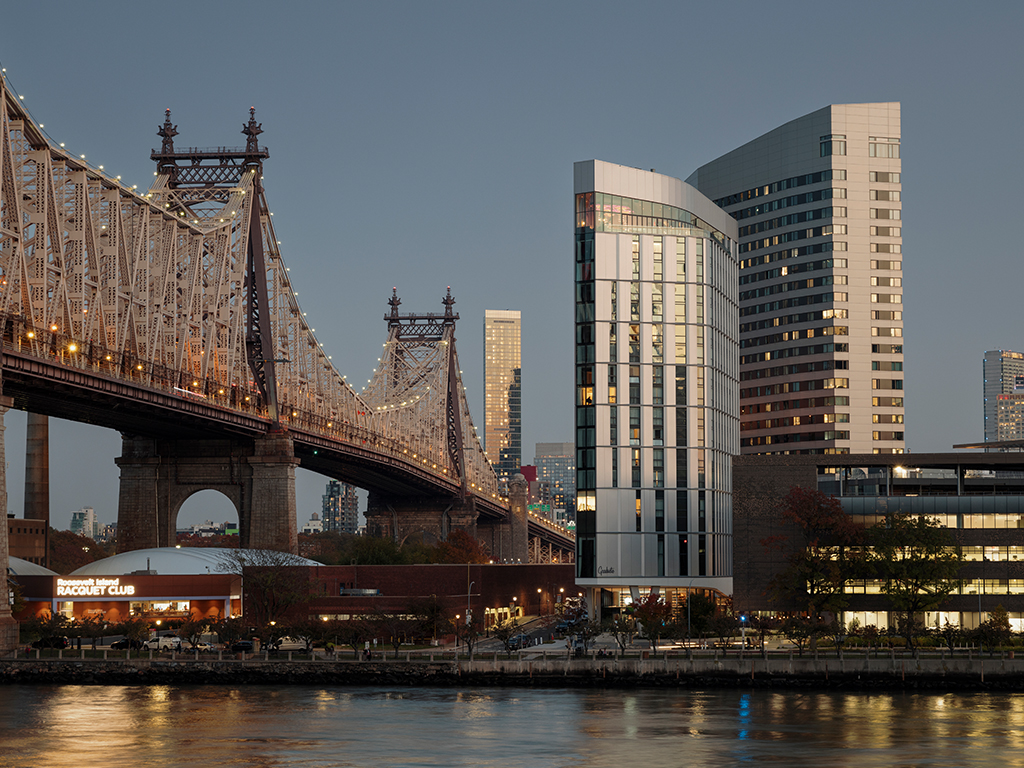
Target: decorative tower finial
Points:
(448, 302)
(252, 129)
(167, 132)
(394, 301)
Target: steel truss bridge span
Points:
(170, 314)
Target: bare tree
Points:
(273, 582)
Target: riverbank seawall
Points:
(949, 674)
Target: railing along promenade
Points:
(877, 669)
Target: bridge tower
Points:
(419, 380)
(257, 474)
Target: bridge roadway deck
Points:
(49, 388)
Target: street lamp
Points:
(469, 596)
(688, 596)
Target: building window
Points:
(833, 144)
(883, 147)
(885, 231)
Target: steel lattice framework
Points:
(183, 289)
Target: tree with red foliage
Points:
(461, 548)
(69, 551)
(653, 614)
(823, 558)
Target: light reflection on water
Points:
(58, 726)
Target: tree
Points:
(804, 629)
(587, 631)
(229, 630)
(274, 583)
(47, 625)
(192, 630)
(996, 631)
(652, 615)
(822, 559)
(397, 626)
(504, 633)
(136, 629)
(351, 632)
(700, 610)
(69, 551)
(461, 548)
(310, 631)
(622, 628)
(92, 627)
(762, 626)
(916, 558)
(468, 631)
(724, 626)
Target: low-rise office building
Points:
(979, 497)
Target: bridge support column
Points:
(508, 539)
(157, 476)
(399, 517)
(8, 626)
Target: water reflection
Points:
(304, 726)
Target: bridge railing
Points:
(56, 347)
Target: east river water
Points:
(57, 726)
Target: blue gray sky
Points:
(422, 145)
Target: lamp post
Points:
(688, 596)
(469, 595)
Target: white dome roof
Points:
(187, 561)
(20, 567)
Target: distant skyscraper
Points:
(818, 203)
(84, 523)
(556, 464)
(340, 512)
(502, 437)
(1003, 373)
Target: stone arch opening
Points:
(205, 505)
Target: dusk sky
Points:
(422, 145)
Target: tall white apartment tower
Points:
(657, 386)
(819, 209)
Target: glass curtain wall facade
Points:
(340, 509)
(819, 205)
(1003, 373)
(503, 410)
(556, 464)
(656, 394)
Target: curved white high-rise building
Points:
(657, 385)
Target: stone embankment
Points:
(887, 673)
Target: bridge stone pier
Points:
(508, 540)
(399, 517)
(157, 476)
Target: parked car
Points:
(126, 644)
(242, 646)
(518, 642)
(55, 641)
(165, 643)
(287, 644)
(200, 646)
